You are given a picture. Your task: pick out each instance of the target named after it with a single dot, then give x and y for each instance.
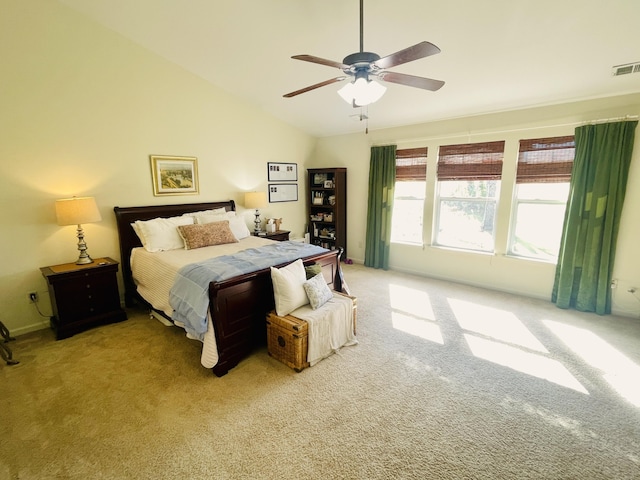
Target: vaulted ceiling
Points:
(497, 55)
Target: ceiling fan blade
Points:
(420, 50)
(411, 81)
(321, 61)
(313, 87)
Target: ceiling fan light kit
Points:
(360, 66)
(362, 92)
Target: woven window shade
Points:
(411, 165)
(546, 160)
(471, 161)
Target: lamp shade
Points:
(77, 210)
(255, 199)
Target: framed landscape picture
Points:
(174, 175)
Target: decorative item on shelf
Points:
(319, 178)
(318, 198)
(317, 217)
(328, 217)
(255, 200)
(76, 211)
(332, 200)
(328, 184)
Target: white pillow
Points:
(318, 291)
(288, 290)
(215, 211)
(237, 225)
(162, 234)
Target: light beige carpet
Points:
(447, 382)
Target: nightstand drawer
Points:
(88, 294)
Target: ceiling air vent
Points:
(625, 69)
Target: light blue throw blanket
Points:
(189, 296)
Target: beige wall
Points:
(82, 110)
(497, 271)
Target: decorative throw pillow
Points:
(288, 291)
(161, 234)
(198, 236)
(318, 291)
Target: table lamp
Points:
(76, 211)
(255, 200)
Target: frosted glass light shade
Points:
(362, 92)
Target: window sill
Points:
(407, 243)
(530, 259)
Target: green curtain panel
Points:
(592, 217)
(382, 179)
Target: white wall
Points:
(496, 271)
(82, 110)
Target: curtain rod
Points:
(493, 132)
(610, 120)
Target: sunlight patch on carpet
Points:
(494, 323)
(525, 362)
(413, 314)
(618, 370)
(411, 301)
(417, 327)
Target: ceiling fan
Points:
(364, 67)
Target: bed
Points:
(237, 306)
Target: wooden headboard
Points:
(125, 216)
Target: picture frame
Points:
(319, 178)
(174, 175)
(282, 172)
(328, 184)
(283, 192)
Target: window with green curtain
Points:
(382, 177)
(596, 196)
(539, 203)
(409, 195)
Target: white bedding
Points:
(154, 274)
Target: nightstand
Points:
(278, 235)
(83, 296)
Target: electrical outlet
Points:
(33, 297)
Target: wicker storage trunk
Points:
(288, 338)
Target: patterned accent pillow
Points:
(318, 291)
(197, 236)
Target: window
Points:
(542, 189)
(408, 198)
(467, 191)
